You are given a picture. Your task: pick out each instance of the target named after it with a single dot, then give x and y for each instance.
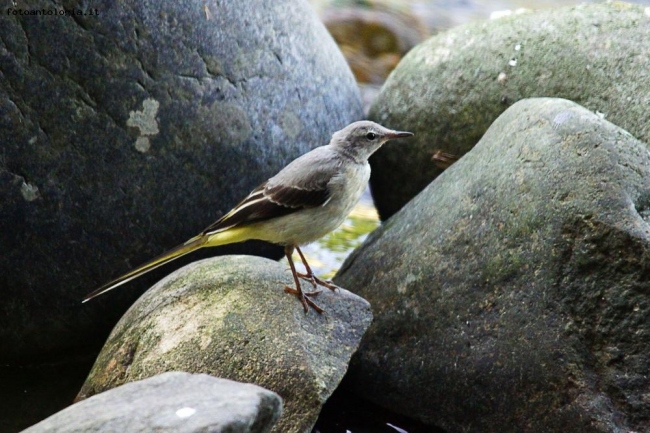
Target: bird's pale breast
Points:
(309, 225)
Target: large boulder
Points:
(449, 89)
(230, 317)
(133, 127)
(171, 402)
(512, 294)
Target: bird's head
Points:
(361, 139)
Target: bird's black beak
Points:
(398, 134)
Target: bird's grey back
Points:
(310, 171)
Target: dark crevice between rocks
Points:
(345, 412)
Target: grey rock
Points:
(171, 402)
(134, 129)
(512, 294)
(449, 89)
(230, 317)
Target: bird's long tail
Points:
(179, 251)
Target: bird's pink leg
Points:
(302, 296)
(313, 279)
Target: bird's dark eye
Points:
(371, 136)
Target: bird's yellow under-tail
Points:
(206, 239)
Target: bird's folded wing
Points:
(302, 184)
(267, 202)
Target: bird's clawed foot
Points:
(304, 298)
(315, 281)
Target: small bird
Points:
(307, 199)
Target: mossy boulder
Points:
(512, 294)
(450, 88)
(230, 317)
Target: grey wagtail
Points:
(307, 199)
